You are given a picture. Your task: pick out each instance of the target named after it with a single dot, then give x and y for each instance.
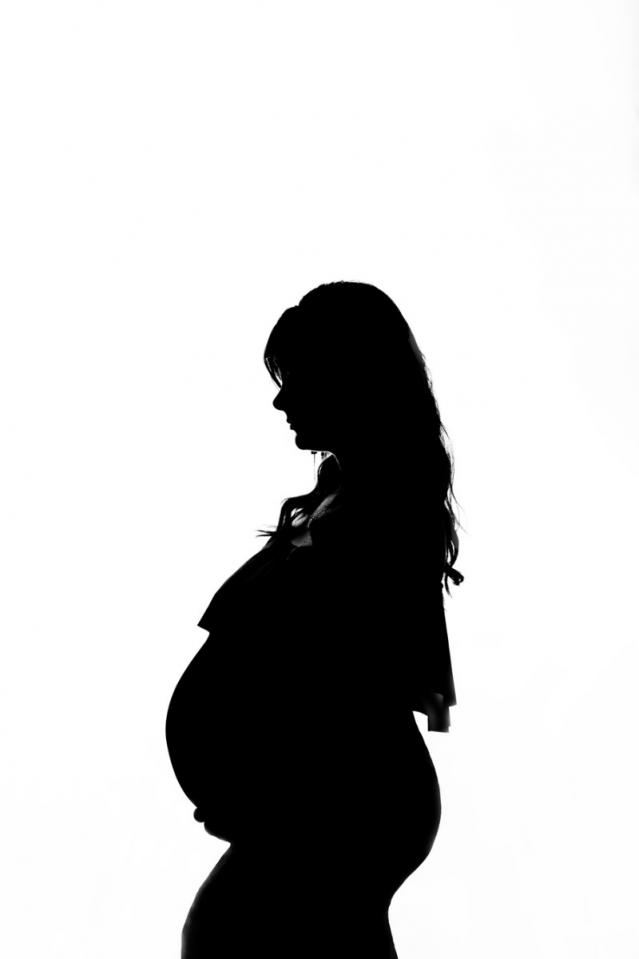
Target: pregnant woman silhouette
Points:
(292, 729)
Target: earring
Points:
(314, 452)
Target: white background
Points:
(174, 175)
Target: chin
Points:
(303, 443)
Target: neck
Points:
(354, 470)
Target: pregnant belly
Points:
(271, 776)
(205, 744)
(225, 753)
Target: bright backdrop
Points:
(174, 176)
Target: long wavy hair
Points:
(354, 332)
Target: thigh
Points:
(257, 900)
(221, 912)
(275, 901)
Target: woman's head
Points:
(354, 382)
(345, 363)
